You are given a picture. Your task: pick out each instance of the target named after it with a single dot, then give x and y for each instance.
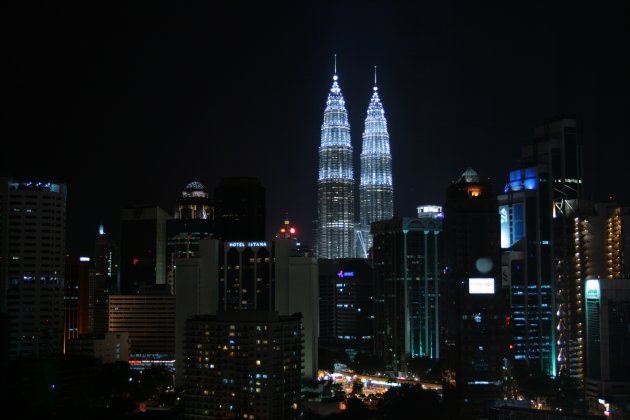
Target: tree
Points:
(426, 368)
(400, 402)
(367, 363)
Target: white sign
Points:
(592, 289)
(481, 286)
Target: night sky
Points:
(127, 103)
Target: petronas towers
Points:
(337, 233)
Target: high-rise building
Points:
(526, 232)
(150, 322)
(473, 307)
(196, 293)
(142, 248)
(603, 239)
(557, 150)
(240, 209)
(246, 276)
(376, 191)
(32, 263)
(296, 281)
(106, 279)
(106, 258)
(345, 305)
(77, 306)
(607, 337)
(541, 214)
(407, 261)
(243, 364)
(335, 185)
(194, 221)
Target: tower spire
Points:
(375, 87)
(335, 74)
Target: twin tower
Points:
(338, 235)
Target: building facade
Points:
(142, 248)
(376, 191)
(78, 310)
(607, 337)
(473, 307)
(557, 148)
(407, 261)
(32, 265)
(345, 305)
(528, 270)
(193, 222)
(335, 185)
(150, 322)
(243, 364)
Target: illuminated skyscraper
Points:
(376, 192)
(335, 186)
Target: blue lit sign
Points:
(341, 274)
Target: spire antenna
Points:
(335, 64)
(375, 87)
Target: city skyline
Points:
(126, 106)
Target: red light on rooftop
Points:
(292, 230)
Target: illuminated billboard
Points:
(481, 286)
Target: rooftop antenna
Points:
(375, 87)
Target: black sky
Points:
(128, 102)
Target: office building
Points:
(106, 259)
(473, 306)
(196, 293)
(296, 290)
(345, 305)
(243, 364)
(150, 322)
(557, 149)
(142, 248)
(526, 240)
(193, 222)
(607, 338)
(32, 265)
(408, 264)
(78, 310)
(264, 276)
